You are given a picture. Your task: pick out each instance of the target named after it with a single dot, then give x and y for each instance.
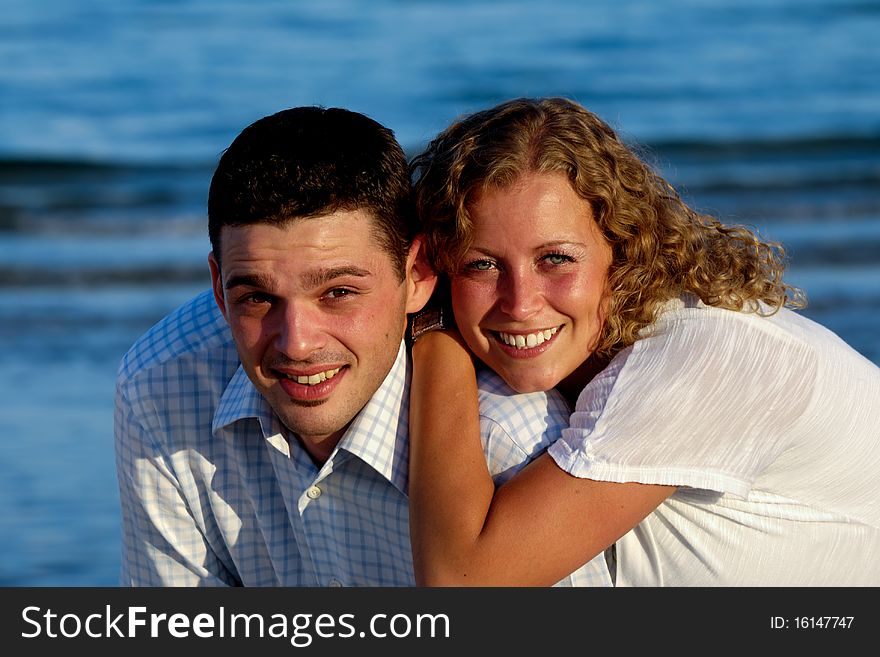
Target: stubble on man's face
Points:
(318, 312)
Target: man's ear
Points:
(421, 279)
(217, 283)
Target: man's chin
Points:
(311, 418)
(313, 433)
(308, 403)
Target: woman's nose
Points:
(520, 295)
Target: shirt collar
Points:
(241, 400)
(377, 435)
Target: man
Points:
(261, 429)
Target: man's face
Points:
(317, 312)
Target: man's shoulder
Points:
(512, 410)
(195, 329)
(516, 427)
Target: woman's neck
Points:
(572, 385)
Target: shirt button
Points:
(313, 493)
(335, 583)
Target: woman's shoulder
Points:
(696, 329)
(709, 362)
(703, 400)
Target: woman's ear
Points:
(421, 278)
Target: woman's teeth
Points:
(528, 340)
(315, 379)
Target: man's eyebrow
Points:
(321, 277)
(311, 279)
(249, 280)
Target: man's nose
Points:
(520, 294)
(299, 331)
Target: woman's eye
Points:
(558, 258)
(480, 265)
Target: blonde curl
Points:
(661, 248)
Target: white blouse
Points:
(770, 426)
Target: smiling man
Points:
(318, 333)
(262, 428)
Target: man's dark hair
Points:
(312, 161)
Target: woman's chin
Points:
(524, 376)
(531, 383)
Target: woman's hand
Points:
(444, 348)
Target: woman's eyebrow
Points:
(485, 249)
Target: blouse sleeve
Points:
(707, 400)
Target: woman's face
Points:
(529, 296)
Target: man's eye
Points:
(339, 293)
(255, 298)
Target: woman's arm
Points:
(535, 529)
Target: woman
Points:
(737, 440)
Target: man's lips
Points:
(311, 379)
(310, 386)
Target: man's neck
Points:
(319, 448)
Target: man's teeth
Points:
(315, 379)
(529, 340)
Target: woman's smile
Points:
(529, 294)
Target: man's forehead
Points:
(313, 251)
(344, 226)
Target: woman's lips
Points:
(526, 344)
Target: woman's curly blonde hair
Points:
(661, 247)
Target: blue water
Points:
(113, 114)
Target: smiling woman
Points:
(716, 432)
(534, 278)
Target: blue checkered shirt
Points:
(213, 493)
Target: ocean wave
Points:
(55, 195)
(795, 146)
(776, 147)
(22, 165)
(93, 277)
(824, 175)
